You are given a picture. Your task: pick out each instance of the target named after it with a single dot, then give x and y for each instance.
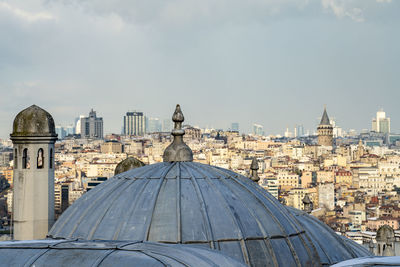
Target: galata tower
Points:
(325, 131)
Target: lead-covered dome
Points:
(183, 202)
(198, 204)
(330, 246)
(128, 164)
(107, 254)
(33, 121)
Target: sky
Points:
(271, 62)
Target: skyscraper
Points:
(299, 130)
(258, 129)
(60, 131)
(325, 131)
(92, 126)
(134, 123)
(70, 130)
(381, 124)
(78, 124)
(153, 125)
(235, 126)
(166, 125)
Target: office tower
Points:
(33, 202)
(60, 131)
(92, 126)
(299, 130)
(288, 133)
(166, 125)
(153, 125)
(134, 123)
(258, 129)
(325, 131)
(70, 130)
(235, 126)
(381, 124)
(78, 124)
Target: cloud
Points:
(175, 12)
(115, 55)
(344, 8)
(25, 15)
(384, 1)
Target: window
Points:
(25, 159)
(40, 159)
(15, 158)
(51, 159)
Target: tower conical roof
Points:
(325, 119)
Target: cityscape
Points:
(199, 133)
(351, 180)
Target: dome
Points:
(33, 121)
(203, 205)
(370, 261)
(128, 164)
(385, 233)
(330, 246)
(106, 253)
(184, 202)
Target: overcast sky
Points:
(272, 62)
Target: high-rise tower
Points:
(325, 131)
(134, 123)
(381, 124)
(33, 137)
(92, 126)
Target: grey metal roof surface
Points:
(193, 203)
(331, 247)
(370, 261)
(107, 253)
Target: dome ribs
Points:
(110, 205)
(122, 231)
(336, 253)
(178, 204)
(61, 227)
(286, 235)
(266, 240)
(203, 208)
(108, 253)
(149, 219)
(229, 210)
(194, 203)
(83, 225)
(307, 237)
(268, 210)
(129, 213)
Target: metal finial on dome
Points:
(343, 229)
(254, 168)
(371, 246)
(178, 150)
(308, 205)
